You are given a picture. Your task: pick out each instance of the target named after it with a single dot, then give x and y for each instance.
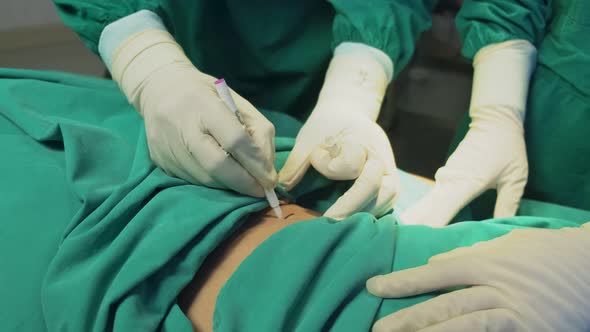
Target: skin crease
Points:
(199, 297)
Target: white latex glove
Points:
(528, 280)
(341, 139)
(493, 153)
(190, 131)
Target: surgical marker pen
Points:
(225, 95)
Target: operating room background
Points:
(421, 113)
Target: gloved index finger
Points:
(363, 190)
(439, 206)
(297, 163)
(508, 199)
(234, 138)
(226, 172)
(441, 309)
(260, 129)
(419, 280)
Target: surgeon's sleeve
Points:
(484, 22)
(89, 17)
(392, 26)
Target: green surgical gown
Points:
(94, 237)
(558, 109)
(274, 53)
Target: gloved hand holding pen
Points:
(341, 139)
(190, 132)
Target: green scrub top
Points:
(274, 53)
(558, 109)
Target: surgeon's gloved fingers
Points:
(297, 163)
(177, 161)
(455, 253)
(492, 320)
(339, 158)
(420, 280)
(386, 197)
(443, 202)
(473, 250)
(363, 190)
(234, 138)
(261, 130)
(175, 170)
(431, 210)
(508, 199)
(440, 309)
(222, 168)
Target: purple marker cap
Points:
(219, 81)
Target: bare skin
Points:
(198, 299)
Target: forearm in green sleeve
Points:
(392, 26)
(88, 18)
(485, 22)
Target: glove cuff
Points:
(501, 77)
(358, 75)
(141, 55)
(116, 33)
(360, 49)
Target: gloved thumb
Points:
(426, 211)
(441, 204)
(363, 191)
(296, 165)
(508, 200)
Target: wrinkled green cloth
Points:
(93, 237)
(558, 108)
(274, 53)
(311, 276)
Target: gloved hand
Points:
(493, 153)
(190, 132)
(527, 280)
(341, 139)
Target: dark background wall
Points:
(430, 98)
